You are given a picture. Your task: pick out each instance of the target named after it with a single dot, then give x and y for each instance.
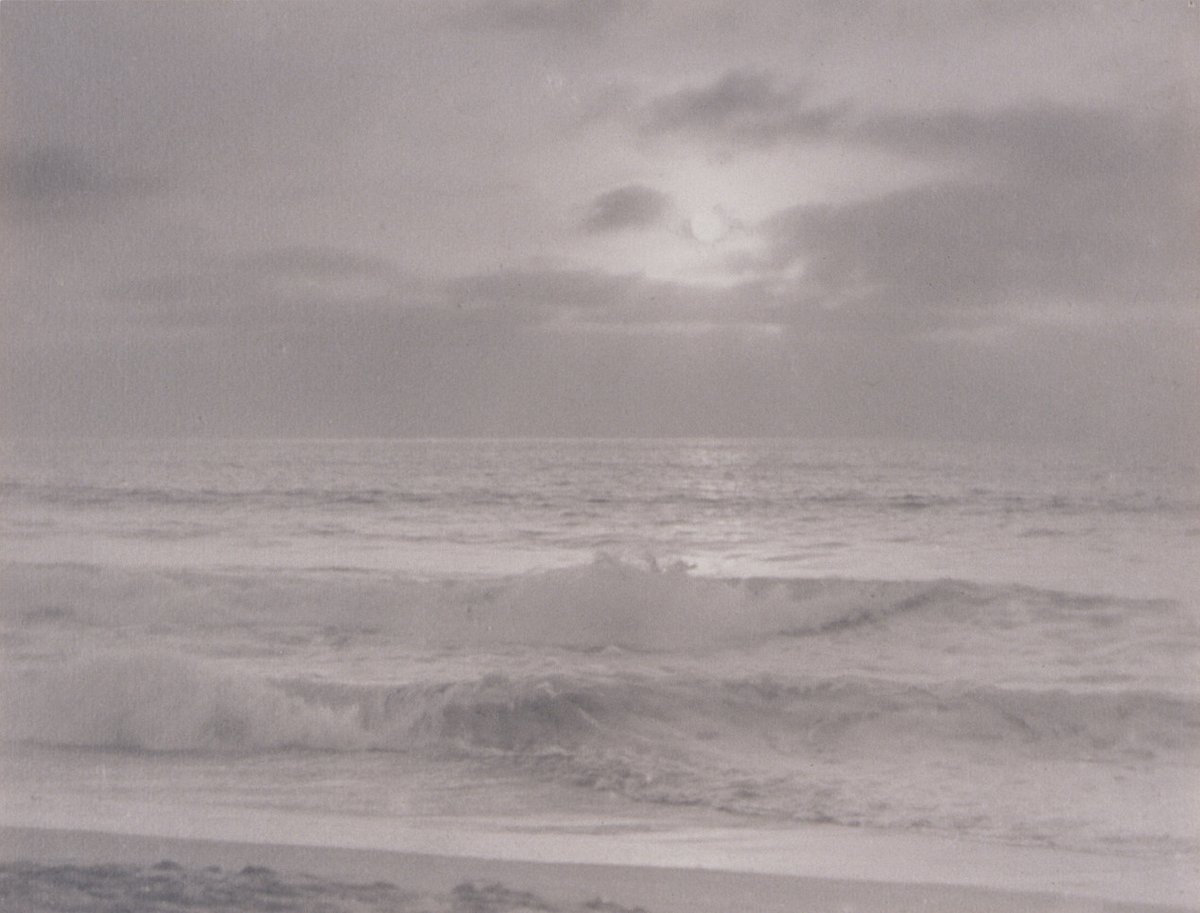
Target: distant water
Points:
(994, 644)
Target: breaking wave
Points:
(767, 697)
(160, 701)
(605, 603)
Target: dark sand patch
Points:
(167, 887)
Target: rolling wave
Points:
(604, 603)
(775, 747)
(160, 701)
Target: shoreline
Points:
(630, 837)
(656, 888)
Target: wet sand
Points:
(58, 870)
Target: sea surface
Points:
(591, 636)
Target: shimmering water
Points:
(1000, 645)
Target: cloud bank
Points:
(473, 218)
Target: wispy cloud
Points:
(1054, 205)
(61, 181)
(633, 206)
(1043, 141)
(290, 285)
(741, 107)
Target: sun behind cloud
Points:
(708, 226)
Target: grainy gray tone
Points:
(602, 217)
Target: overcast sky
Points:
(603, 217)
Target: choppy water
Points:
(1000, 645)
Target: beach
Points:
(118, 868)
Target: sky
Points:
(942, 220)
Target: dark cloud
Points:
(317, 287)
(314, 287)
(178, 88)
(268, 287)
(634, 206)
(743, 106)
(60, 181)
(1046, 141)
(535, 295)
(1056, 205)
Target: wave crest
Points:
(605, 603)
(165, 702)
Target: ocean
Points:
(351, 640)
